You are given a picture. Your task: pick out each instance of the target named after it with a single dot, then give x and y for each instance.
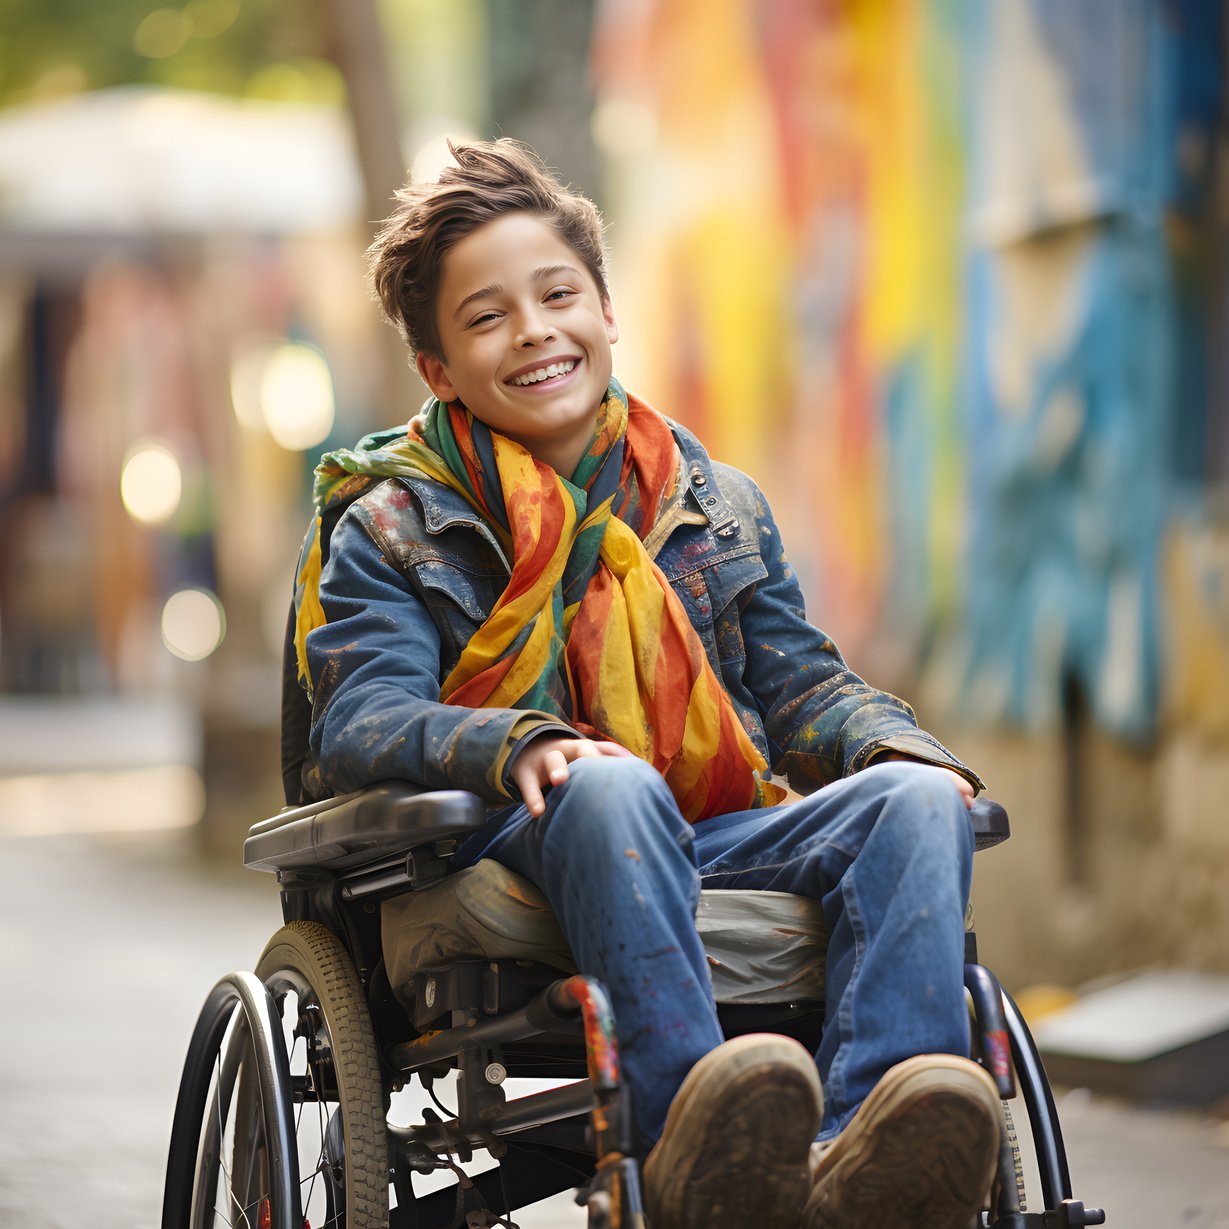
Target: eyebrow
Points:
(488, 292)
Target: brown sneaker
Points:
(920, 1151)
(735, 1151)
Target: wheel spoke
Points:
(322, 1121)
(222, 1165)
(298, 1120)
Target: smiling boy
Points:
(527, 278)
(548, 594)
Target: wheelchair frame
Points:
(335, 861)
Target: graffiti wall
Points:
(942, 276)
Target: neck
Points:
(563, 456)
(563, 451)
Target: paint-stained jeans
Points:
(888, 851)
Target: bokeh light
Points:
(210, 18)
(162, 33)
(296, 396)
(193, 624)
(151, 483)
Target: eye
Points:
(560, 294)
(485, 318)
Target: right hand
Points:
(544, 761)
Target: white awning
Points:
(142, 160)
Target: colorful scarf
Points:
(588, 628)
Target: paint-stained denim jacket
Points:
(413, 572)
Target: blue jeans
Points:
(888, 851)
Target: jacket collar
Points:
(701, 493)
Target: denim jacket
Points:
(413, 572)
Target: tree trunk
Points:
(357, 48)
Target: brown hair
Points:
(490, 179)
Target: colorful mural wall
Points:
(917, 266)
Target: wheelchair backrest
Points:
(296, 707)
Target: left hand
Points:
(964, 786)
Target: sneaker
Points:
(736, 1147)
(920, 1151)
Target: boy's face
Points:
(515, 304)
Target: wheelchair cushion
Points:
(484, 911)
(762, 947)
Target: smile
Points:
(550, 372)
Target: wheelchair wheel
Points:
(338, 1100)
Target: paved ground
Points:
(108, 945)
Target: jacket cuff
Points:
(524, 730)
(918, 745)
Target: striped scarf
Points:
(588, 629)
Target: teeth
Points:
(544, 373)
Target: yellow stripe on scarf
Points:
(310, 613)
(488, 645)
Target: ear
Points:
(435, 376)
(612, 328)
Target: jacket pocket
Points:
(459, 600)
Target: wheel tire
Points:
(332, 1049)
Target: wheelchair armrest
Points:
(371, 823)
(990, 824)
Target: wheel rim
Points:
(319, 1121)
(232, 1186)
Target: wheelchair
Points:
(392, 971)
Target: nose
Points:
(534, 328)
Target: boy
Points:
(548, 594)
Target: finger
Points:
(531, 792)
(555, 767)
(582, 749)
(964, 786)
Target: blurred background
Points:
(949, 279)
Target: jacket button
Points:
(699, 480)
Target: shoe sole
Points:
(920, 1152)
(744, 1162)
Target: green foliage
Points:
(256, 48)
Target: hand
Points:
(544, 761)
(964, 786)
